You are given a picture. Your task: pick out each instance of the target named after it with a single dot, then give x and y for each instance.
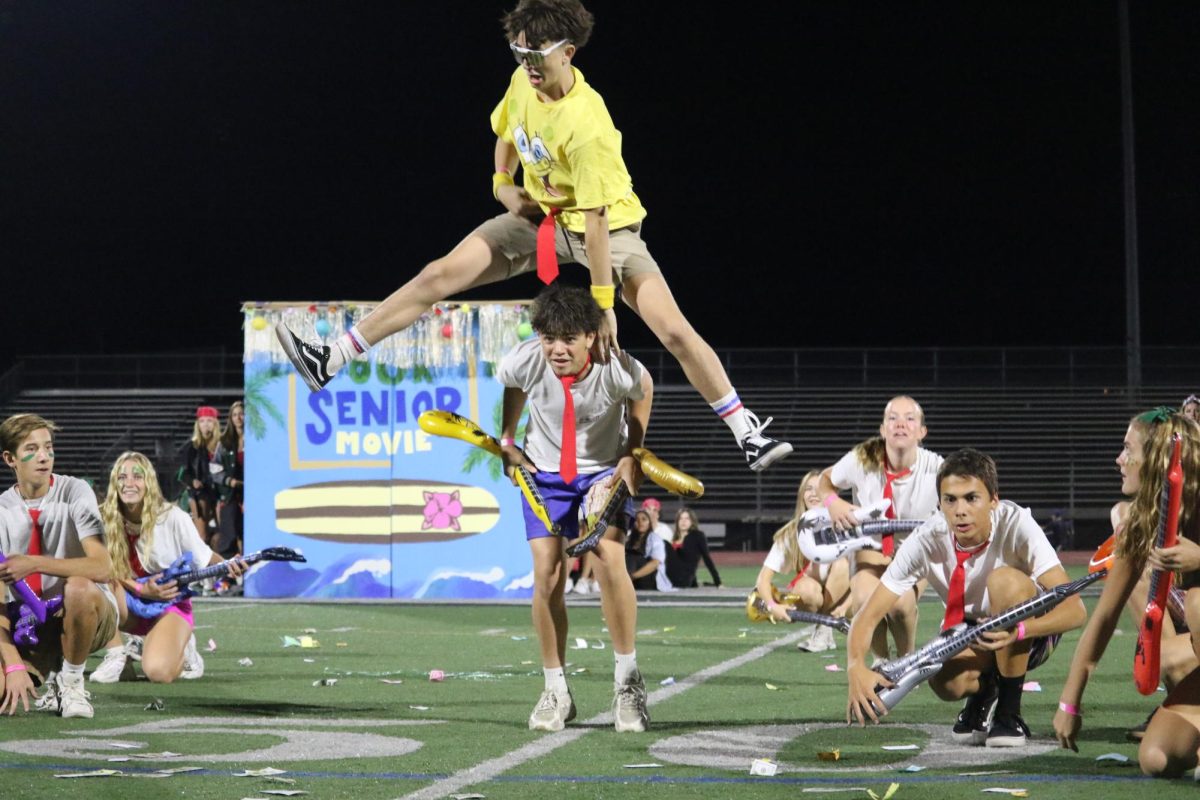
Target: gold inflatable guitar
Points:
(451, 425)
(756, 611)
(660, 472)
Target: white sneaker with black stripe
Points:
(310, 360)
(762, 451)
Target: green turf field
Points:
(362, 738)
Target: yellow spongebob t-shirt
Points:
(570, 152)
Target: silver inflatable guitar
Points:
(821, 543)
(916, 668)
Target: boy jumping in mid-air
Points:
(575, 203)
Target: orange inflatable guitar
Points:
(1103, 559)
(1149, 642)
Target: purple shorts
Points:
(182, 609)
(562, 501)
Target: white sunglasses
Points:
(533, 57)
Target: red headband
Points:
(206, 411)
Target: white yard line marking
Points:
(491, 768)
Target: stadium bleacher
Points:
(1052, 421)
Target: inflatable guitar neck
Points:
(31, 613)
(1103, 559)
(756, 611)
(908, 671)
(1149, 641)
(184, 573)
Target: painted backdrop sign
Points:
(379, 507)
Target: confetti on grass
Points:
(764, 767)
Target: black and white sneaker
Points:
(762, 451)
(1008, 730)
(971, 727)
(310, 360)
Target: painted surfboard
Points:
(372, 512)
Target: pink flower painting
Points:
(442, 510)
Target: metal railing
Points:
(939, 366)
(191, 370)
(829, 366)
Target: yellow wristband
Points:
(500, 179)
(604, 296)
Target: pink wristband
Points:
(1021, 631)
(11, 668)
(507, 441)
(828, 501)
(1070, 709)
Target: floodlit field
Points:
(723, 693)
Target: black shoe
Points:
(310, 360)
(1008, 730)
(1136, 734)
(762, 451)
(971, 727)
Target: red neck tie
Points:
(34, 579)
(547, 261)
(567, 467)
(958, 579)
(889, 545)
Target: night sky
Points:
(816, 174)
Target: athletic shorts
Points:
(46, 656)
(515, 239)
(182, 609)
(563, 501)
(1040, 648)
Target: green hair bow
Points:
(1155, 415)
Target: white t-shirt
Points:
(174, 534)
(68, 515)
(656, 548)
(915, 496)
(601, 433)
(928, 553)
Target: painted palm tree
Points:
(257, 403)
(477, 456)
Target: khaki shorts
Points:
(46, 655)
(515, 239)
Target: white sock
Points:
(626, 666)
(110, 651)
(72, 672)
(347, 346)
(556, 679)
(730, 409)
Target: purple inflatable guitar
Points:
(184, 572)
(32, 613)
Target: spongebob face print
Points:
(535, 157)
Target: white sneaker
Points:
(553, 711)
(133, 647)
(594, 585)
(629, 705)
(111, 666)
(568, 586)
(73, 699)
(193, 663)
(48, 700)
(582, 586)
(820, 640)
